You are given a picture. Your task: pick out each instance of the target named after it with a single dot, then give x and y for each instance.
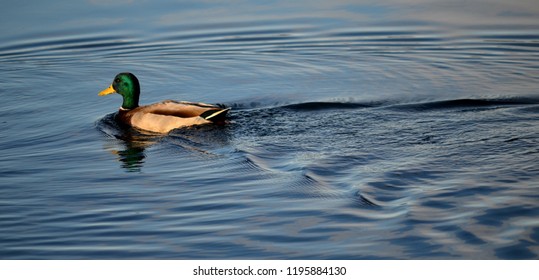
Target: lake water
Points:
(358, 130)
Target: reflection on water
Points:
(132, 157)
(403, 129)
(130, 149)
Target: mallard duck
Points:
(160, 117)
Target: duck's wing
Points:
(181, 109)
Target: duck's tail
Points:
(217, 116)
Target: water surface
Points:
(359, 130)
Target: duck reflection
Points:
(130, 150)
(131, 157)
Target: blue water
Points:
(358, 130)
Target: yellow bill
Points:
(107, 91)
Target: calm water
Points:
(405, 130)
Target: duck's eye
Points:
(117, 80)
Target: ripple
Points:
(382, 131)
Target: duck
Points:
(161, 117)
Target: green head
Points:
(126, 84)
